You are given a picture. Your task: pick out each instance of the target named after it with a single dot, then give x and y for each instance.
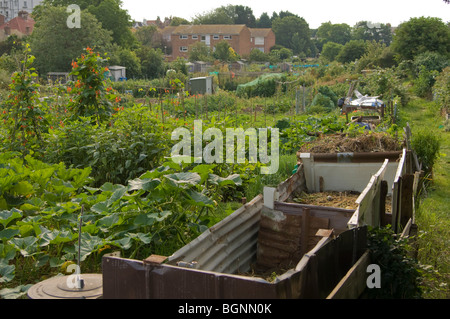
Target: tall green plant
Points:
(92, 94)
(24, 118)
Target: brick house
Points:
(22, 25)
(241, 38)
(262, 39)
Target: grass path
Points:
(433, 213)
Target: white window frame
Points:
(259, 40)
(216, 37)
(183, 37)
(183, 49)
(227, 37)
(195, 37)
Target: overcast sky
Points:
(314, 12)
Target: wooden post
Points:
(383, 193)
(406, 202)
(305, 230)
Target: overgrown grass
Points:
(433, 213)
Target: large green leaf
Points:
(23, 188)
(234, 179)
(7, 252)
(100, 207)
(8, 233)
(89, 244)
(118, 194)
(144, 184)
(183, 179)
(26, 246)
(109, 221)
(198, 199)
(7, 217)
(14, 293)
(6, 272)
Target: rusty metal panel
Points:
(227, 247)
(314, 276)
(338, 217)
(168, 282)
(123, 278)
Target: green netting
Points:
(264, 85)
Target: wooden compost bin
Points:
(320, 252)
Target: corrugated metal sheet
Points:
(216, 257)
(230, 245)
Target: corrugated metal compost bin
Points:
(309, 247)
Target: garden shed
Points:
(201, 85)
(117, 73)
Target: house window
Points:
(227, 37)
(259, 41)
(216, 37)
(183, 37)
(195, 37)
(203, 38)
(183, 49)
(24, 4)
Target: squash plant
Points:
(157, 212)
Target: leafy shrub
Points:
(399, 273)
(325, 100)
(432, 61)
(424, 82)
(157, 212)
(426, 144)
(441, 89)
(129, 145)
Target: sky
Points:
(315, 12)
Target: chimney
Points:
(23, 15)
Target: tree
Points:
(367, 31)
(243, 15)
(199, 51)
(351, 51)
(419, 35)
(224, 52)
(377, 55)
(115, 19)
(331, 50)
(230, 14)
(152, 62)
(108, 12)
(146, 35)
(176, 21)
(257, 55)
(264, 21)
(55, 45)
(292, 32)
(130, 60)
(216, 16)
(337, 33)
(82, 3)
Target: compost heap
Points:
(341, 143)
